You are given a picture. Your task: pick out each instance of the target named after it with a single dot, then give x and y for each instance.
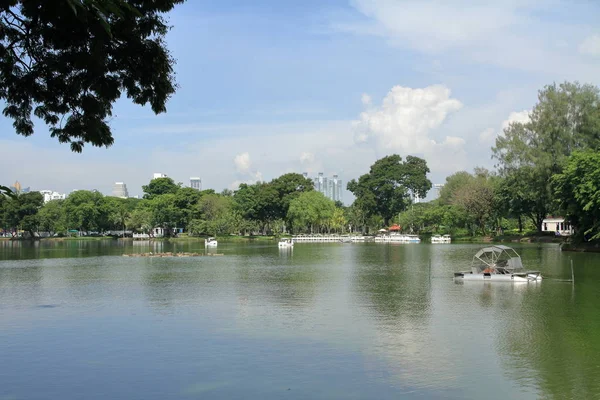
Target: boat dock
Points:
(328, 238)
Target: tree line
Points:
(549, 165)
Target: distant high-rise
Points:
(330, 187)
(438, 188)
(336, 188)
(17, 188)
(159, 175)
(120, 190)
(196, 183)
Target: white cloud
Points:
(243, 166)
(487, 136)
(242, 163)
(405, 119)
(517, 116)
(507, 34)
(590, 46)
(439, 25)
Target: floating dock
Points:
(170, 254)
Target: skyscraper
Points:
(438, 188)
(330, 187)
(120, 190)
(196, 183)
(159, 175)
(336, 188)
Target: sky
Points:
(271, 87)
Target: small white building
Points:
(49, 195)
(558, 225)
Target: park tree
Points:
(140, 219)
(577, 191)
(165, 214)
(288, 187)
(86, 210)
(22, 211)
(311, 211)
(566, 118)
(52, 217)
(67, 62)
(160, 186)
(476, 198)
(386, 189)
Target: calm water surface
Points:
(321, 321)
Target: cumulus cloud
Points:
(488, 136)
(242, 163)
(590, 46)
(520, 116)
(243, 166)
(405, 119)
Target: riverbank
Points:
(586, 247)
(527, 238)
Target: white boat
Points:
(210, 242)
(441, 239)
(498, 263)
(286, 243)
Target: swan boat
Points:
(210, 242)
(284, 243)
(498, 263)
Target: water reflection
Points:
(369, 315)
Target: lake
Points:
(321, 321)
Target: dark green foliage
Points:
(386, 189)
(68, 61)
(577, 192)
(566, 118)
(160, 186)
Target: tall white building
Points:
(196, 183)
(438, 188)
(159, 175)
(330, 187)
(50, 195)
(120, 190)
(335, 188)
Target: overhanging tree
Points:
(66, 63)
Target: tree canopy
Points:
(577, 191)
(67, 62)
(386, 189)
(566, 118)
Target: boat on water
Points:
(210, 242)
(286, 243)
(441, 239)
(498, 263)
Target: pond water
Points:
(321, 321)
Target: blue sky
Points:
(273, 87)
